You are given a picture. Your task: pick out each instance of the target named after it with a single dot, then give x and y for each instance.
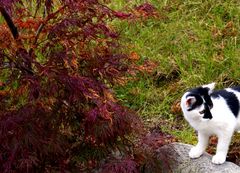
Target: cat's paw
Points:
(219, 159)
(195, 152)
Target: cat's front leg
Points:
(198, 150)
(222, 148)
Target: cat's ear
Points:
(210, 86)
(190, 101)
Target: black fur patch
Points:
(207, 113)
(199, 101)
(236, 89)
(231, 99)
(204, 93)
(198, 93)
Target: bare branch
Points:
(10, 23)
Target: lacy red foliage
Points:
(126, 165)
(139, 13)
(57, 66)
(145, 157)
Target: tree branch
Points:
(49, 17)
(10, 23)
(40, 28)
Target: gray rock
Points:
(176, 159)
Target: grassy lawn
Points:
(193, 43)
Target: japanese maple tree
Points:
(58, 61)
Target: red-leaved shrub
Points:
(58, 61)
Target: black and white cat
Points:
(212, 112)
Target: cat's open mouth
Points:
(202, 112)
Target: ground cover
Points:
(192, 43)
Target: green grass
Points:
(199, 39)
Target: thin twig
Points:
(40, 28)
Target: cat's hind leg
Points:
(222, 148)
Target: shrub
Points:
(58, 61)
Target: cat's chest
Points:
(213, 126)
(203, 125)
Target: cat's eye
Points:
(203, 111)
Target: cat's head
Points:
(196, 103)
